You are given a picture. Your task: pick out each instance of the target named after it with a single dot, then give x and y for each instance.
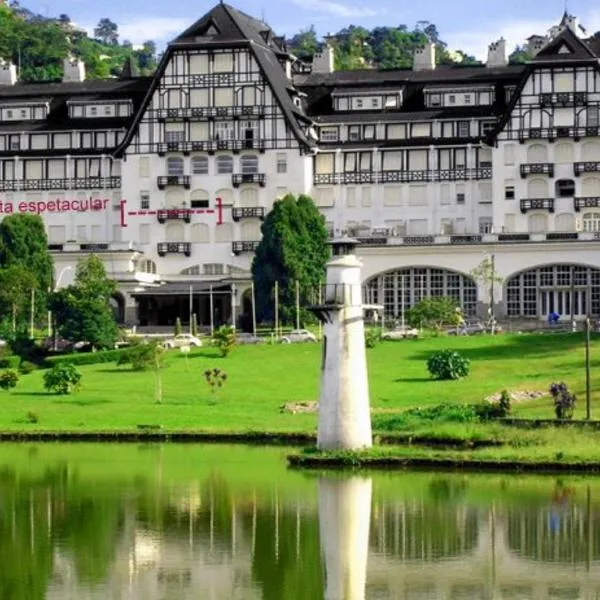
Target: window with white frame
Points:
(452, 99)
(329, 134)
(249, 164)
(468, 98)
(199, 199)
(174, 165)
(369, 132)
(144, 200)
(224, 164)
(464, 128)
(173, 137)
(354, 133)
(200, 165)
(224, 131)
(592, 117)
(487, 127)
(281, 163)
(435, 100)
(565, 188)
(485, 225)
(509, 192)
(591, 221)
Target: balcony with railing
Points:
(163, 181)
(368, 177)
(247, 212)
(184, 147)
(537, 169)
(586, 202)
(164, 248)
(563, 99)
(238, 178)
(173, 214)
(586, 167)
(552, 133)
(528, 204)
(72, 183)
(241, 247)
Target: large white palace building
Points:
(433, 169)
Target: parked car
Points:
(298, 335)
(248, 338)
(468, 328)
(183, 339)
(400, 333)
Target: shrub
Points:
(10, 361)
(32, 417)
(372, 337)
(564, 400)
(143, 356)
(177, 328)
(63, 378)
(215, 378)
(224, 339)
(9, 379)
(27, 367)
(505, 402)
(448, 364)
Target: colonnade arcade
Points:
(572, 290)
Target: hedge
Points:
(85, 358)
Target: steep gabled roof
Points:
(565, 46)
(224, 27)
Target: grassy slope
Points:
(262, 378)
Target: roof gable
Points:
(564, 46)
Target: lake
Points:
(222, 522)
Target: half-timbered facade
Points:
(433, 168)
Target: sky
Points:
(468, 25)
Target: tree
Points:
(293, 248)
(486, 275)
(82, 310)
(224, 339)
(433, 313)
(24, 246)
(107, 31)
(16, 284)
(305, 43)
(520, 55)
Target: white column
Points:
(344, 519)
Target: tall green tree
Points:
(293, 248)
(24, 246)
(82, 310)
(16, 284)
(107, 31)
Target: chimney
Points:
(497, 56)
(8, 73)
(73, 69)
(323, 62)
(424, 59)
(535, 43)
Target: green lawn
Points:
(261, 378)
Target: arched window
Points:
(224, 164)
(200, 165)
(199, 199)
(564, 222)
(174, 165)
(565, 188)
(538, 223)
(398, 290)
(591, 221)
(249, 164)
(174, 232)
(537, 153)
(249, 197)
(147, 266)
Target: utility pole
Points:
(492, 282)
(588, 407)
(277, 310)
(297, 304)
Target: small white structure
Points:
(344, 520)
(344, 411)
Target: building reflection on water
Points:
(61, 538)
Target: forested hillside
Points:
(38, 45)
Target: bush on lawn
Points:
(372, 337)
(448, 364)
(143, 356)
(11, 361)
(63, 378)
(27, 367)
(564, 400)
(9, 379)
(224, 339)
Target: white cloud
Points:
(337, 9)
(159, 29)
(477, 40)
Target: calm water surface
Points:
(176, 522)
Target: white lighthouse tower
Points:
(344, 411)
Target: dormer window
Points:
(435, 100)
(467, 98)
(93, 111)
(9, 114)
(329, 134)
(391, 102)
(354, 133)
(359, 103)
(23, 113)
(107, 111)
(375, 102)
(452, 99)
(464, 128)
